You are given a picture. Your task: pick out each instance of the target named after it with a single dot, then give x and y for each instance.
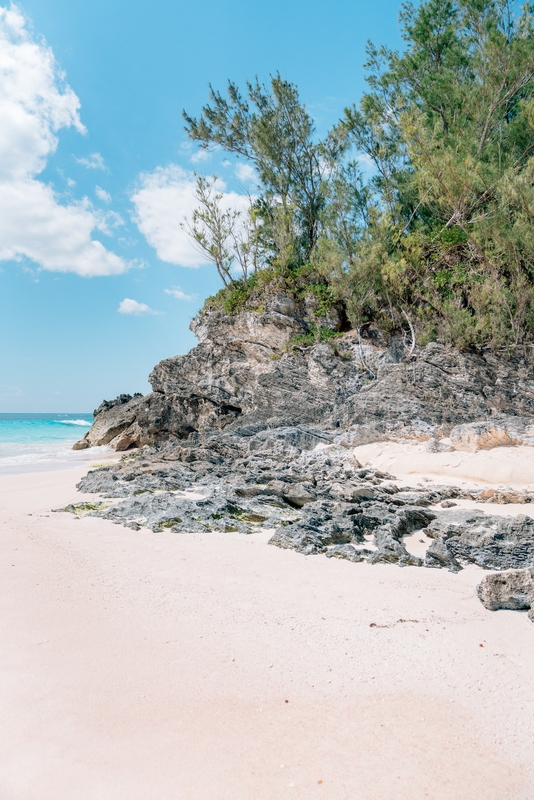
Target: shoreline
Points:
(67, 459)
(147, 665)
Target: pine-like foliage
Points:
(440, 231)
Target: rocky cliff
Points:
(253, 369)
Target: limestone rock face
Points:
(249, 369)
(501, 430)
(107, 405)
(512, 590)
(112, 421)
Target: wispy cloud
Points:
(94, 161)
(129, 306)
(102, 194)
(179, 294)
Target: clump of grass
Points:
(298, 281)
(239, 514)
(170, 522)
(131, 457)
(315, 335)
(82, 508)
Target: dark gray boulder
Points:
(472, 537)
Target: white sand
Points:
(142, 666)
(501, 466)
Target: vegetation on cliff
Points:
(438, 228)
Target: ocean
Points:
(38, 442)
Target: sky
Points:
(98, 281)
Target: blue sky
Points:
(95, 171)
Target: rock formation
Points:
(250, 369)
(513, 590)
(255, 428)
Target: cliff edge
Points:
(262, 369)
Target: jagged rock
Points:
(439, 390)
(440, 557)
(488, 541)
(512, 590)
(107, 405)
(358, 435)
(304, 540)
(112, 423)
(389, 534)
(416, 498)
(125, 480)
(183, 514)
(344, 525)
(504, 497)
(348, 552)
(242, 375)
(299, 494)
(496, 432)
(391, 551)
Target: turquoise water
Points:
(31, 442)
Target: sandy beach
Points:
(214, 667)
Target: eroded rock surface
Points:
(512, 590)
(246, 371)
(496, 432)
(488, 541)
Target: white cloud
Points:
(200, 155)
(165, 199)
(94, 161)
(58, 238)
(246, 173)
(102, 194)
(129, 306)
(179, 294)
(35, 103)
